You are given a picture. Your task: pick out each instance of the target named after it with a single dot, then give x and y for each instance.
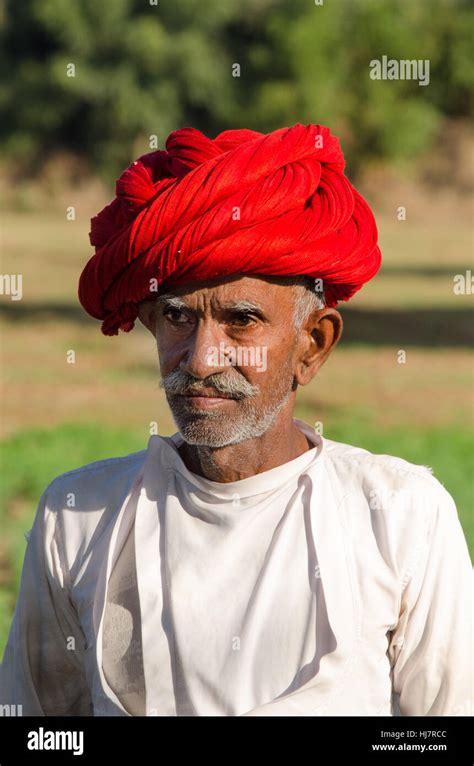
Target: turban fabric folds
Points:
(275, 204)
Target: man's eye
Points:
(175, 315)
(242, 320)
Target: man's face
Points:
(226, 354)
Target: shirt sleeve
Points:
(42, 669)
(431, 647)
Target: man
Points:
(245, 565)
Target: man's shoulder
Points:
(97, 480)
(377, 473)
(404, 501)
(78, 507)
(350, 455)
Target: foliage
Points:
(143, 69)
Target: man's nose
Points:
(204, 353)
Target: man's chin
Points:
(224, 426)
(213, 435)
(210, 443)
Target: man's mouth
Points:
(205, 398)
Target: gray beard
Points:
(217, 429)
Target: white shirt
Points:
(338, 583)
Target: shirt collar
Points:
(253, 485)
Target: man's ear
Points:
(317, 338)
(147, 315)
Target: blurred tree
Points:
(141, 69)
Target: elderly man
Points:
(245, 565)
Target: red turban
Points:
(275, 204)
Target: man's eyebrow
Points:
(172, 301)
(243, 306)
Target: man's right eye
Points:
(175, 315)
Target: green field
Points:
(57, 416)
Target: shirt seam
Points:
(421, 471)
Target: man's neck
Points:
(280, 444)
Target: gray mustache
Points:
(232, 384)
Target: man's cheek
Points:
(168, 354)
(261, 359)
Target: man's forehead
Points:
(244, 292)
